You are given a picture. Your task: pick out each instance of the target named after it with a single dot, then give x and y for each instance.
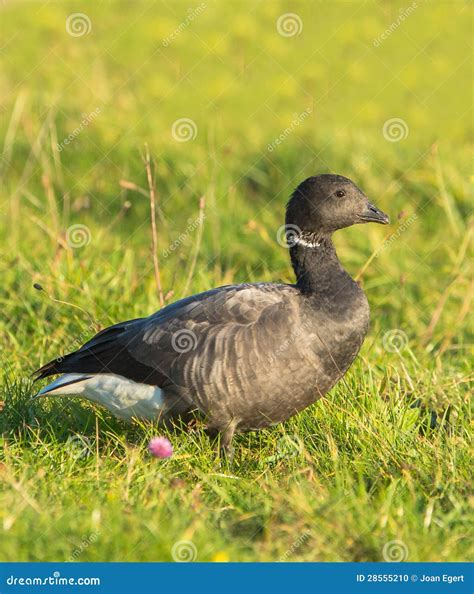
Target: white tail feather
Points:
(70, 383)
(123, 397)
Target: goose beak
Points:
(372, 214)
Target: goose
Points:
(241, 357)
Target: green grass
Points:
(366, 465)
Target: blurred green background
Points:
(270, 92)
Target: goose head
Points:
(325, 203)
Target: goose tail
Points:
(69, 383)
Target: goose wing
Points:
(194, 341)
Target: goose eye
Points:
(340, 193)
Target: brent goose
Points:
(241, 357)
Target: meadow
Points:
(236, 102)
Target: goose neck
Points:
(316, 265)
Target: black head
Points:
(324, 203)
